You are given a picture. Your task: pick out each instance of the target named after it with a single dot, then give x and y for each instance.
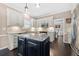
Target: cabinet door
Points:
(21, 46)
(33, 48)
(14, 18)
(13, 41)
(20, 19)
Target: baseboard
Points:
(3, 48)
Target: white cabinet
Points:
(13, 41)
(47, 20)
(14, 18)
(51, 35)
(67, 35)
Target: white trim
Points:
(3, 48)
(3, 35)
(74, 8)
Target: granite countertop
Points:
(29, 30)
(34, 36)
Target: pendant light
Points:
(27, 14)
(26, 8)
(37, 5)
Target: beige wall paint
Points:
(3, 27)
(4, 41)
(3, 19)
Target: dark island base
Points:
(33, 46)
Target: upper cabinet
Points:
(44, 22)
(14, 18)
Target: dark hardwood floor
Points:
(14, 52)
(57, 48)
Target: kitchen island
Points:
(33, 44)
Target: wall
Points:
(3, 27)
(4, 17)
(4, 41)
(76, 13)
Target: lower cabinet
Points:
(30, 47)
(12, 42)
(21, 46)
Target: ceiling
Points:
(44, 9)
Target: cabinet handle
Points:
(21, 39)
(32, 43)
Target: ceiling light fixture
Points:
(37, 5)
(26, 14)
(26, 8)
